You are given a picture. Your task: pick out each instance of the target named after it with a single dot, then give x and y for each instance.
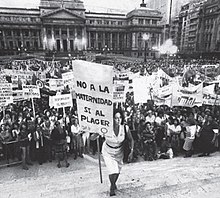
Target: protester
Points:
(208, 135)
(58, 137)
(173, 127)
(175, 130)
(112, 148)
(24, 137)
(149, 142)
(76, 138)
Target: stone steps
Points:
(161, 178)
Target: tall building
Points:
(66, 27)
(209, 28)
(174, 30)
(188, 26)
(168, 8)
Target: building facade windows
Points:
(141, 21)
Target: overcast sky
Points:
(99, 4)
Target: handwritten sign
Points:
(94, 96)
(60, 101)
(5, 94)
(56, 84)
(68, 80)
(31, 91)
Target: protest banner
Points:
(141, 90)
(68, 80)
(209, 96)
(61, 101)
(34, 64)
(187, 96)
(56, 84)
(31, 91)
(22, 77)
(162, 101)
(94, 96)
(5, 94)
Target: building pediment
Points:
(62, 13)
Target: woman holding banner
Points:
(112, 148)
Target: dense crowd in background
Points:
(158, 131)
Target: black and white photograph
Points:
(109, 98)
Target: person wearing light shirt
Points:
(77, 141)
(150, 117)
(175, 130)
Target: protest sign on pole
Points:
(94, 96)
(141, 90)
(5, 94)
(120, 88)
(31, 91)
(61, 101)
(68, 80)
(56, 84)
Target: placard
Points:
(94, 86)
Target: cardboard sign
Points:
(31, 91)
(94, 96)
(5, 94)
(60, 101)
(68, 80)
(56, 84)
(120, 88)
(142, 90)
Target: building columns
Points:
(84, 39)
(96, 40)
(61, 40)
(118, 41)
(44, 35)
(103, 40)
(89, 40)
(133, 40)
(110, 41)
(68, 39)
(53, 39)
(75, 40)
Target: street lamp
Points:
(145, 38)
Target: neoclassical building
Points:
(65, 26)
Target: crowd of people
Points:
(158, 131)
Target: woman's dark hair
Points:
(121, 113)
(147, 124)
(175, 119)
(171, 119)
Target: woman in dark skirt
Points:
(208, 136)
